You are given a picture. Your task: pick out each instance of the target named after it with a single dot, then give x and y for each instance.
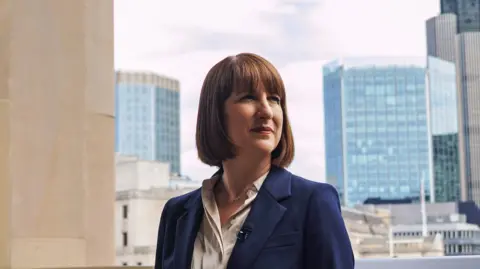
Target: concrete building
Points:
(182, 182)
(468, 98)
(371, 237)
(467, 12)
(132, 173)
(56, 134)
(443, 219)
(459, 238)
(418, 247)
(142, 189)
(441, 32)
(148, 117)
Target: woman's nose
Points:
(265, 109)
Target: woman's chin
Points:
(266, 147)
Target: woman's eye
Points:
(275, 99)
(248, 97)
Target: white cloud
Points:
(376, 27)
(184, 38)
(151, 25)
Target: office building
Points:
(449, 220)
(441, 31)
(369, 233)
(378, 138)
(468, 94)
(467, 11)
(148, 117)
(444, 127)
(142, 189)
(464, 17)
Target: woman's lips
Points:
(262, 130)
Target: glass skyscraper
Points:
(444, 127)
(455, 35)
(378, 141)
(147, 117)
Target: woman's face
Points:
(254, 121)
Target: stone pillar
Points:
(57, 179)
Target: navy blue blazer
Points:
(295, 224)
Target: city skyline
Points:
(298, 37)
(63, 206)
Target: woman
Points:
(252, 213)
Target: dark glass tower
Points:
(467, 11)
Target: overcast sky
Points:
(184, 38)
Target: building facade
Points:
(147, 121)
(441, 31)
(377, 138)
(467, 11)
(372, 237)
(464, 17)
(142, 189)
(442, 94)
(468, 94)
(137, 217)
(379, 132)
(460, 237)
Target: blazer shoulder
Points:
(306, 186)
(182, 201)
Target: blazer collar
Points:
(265, 213)
(278, 183)
(195, 199)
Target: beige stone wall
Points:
(56, 133)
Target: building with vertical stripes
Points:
(467, 12)
(441, 32)
(454, 35)
(468, 93)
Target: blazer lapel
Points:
(264, 215)
(186, 231)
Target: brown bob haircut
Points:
(242, 72)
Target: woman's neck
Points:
(240, 173)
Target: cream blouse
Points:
(214, 243)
